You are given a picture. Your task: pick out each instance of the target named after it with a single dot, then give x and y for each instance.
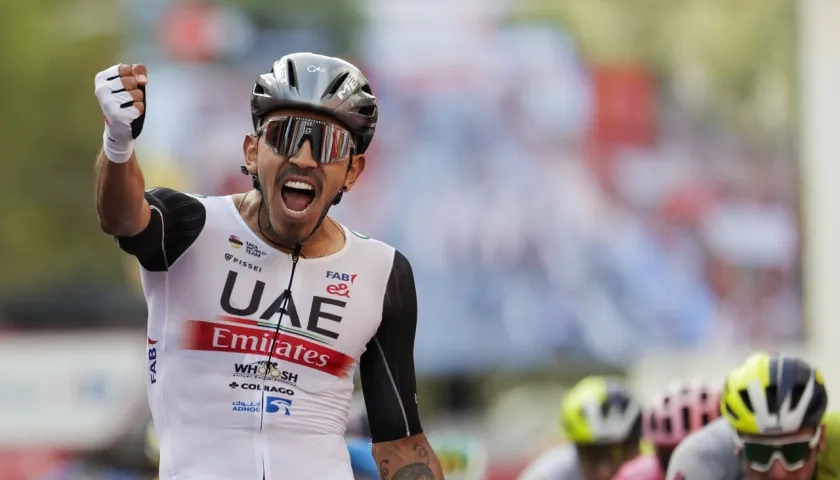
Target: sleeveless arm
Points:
(387, 366)
(177, 220)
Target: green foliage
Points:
(50, 131)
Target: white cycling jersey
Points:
(229, 404)
(560, 462)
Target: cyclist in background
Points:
(774, 426)
(678, 410)
(604, 424)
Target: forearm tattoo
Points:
(414, 463)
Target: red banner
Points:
(220, 337)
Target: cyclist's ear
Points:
(356, 167)
(249, 149)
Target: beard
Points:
(284, 234)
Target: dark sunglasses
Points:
(285, 135)
(759, 454)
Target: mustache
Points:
(294, 171)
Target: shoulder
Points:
(559, 462)
(829, 462)
(715, 438)
(172, 197)
(707, 449)
(176, 207)
(368, 244)
(378, 253)
(832, 423)
(643, 466)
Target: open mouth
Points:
(297, 196)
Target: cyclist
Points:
(261, 307)
(604, 424)
(676, 411)
(774, 426)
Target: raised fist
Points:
(121, 91)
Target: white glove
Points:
(121, 91)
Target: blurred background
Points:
(582, 186)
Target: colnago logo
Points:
(264, 369)
(257, 340)
(262, 388)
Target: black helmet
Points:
(320, 84)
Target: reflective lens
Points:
(760, 454)
(285, 135)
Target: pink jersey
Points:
(643, 467)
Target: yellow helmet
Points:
(152, 446)
(773, 394)
(600, 410)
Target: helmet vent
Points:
(686, 418)
(816, 407)
(746, 398)
(259, 89)
(731, 412)
(336, 84)
(366, 88)
(367, 110)
(292, 72)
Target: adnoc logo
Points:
(276, 404)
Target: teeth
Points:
(298, 185)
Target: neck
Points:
(327, 239)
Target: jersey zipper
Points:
(287, 295)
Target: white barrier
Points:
(77, 391)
